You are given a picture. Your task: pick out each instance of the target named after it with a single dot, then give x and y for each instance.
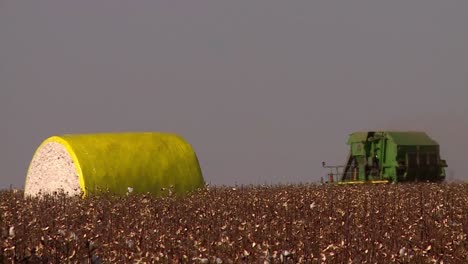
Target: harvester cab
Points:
(389, 156)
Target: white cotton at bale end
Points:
(52, 170)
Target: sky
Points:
(263, 90)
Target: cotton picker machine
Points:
(389, 157)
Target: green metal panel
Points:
(358, 149)
(411, 139)
(357, 137)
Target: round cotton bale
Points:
(119, 163)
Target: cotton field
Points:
(407, 223)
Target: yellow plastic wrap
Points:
(147, 162)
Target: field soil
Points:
(407, 223)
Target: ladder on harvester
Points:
(332, 175)
(346, 173)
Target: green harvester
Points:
(390, 157)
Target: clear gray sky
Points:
(263, 90)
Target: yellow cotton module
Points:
(136, 162)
